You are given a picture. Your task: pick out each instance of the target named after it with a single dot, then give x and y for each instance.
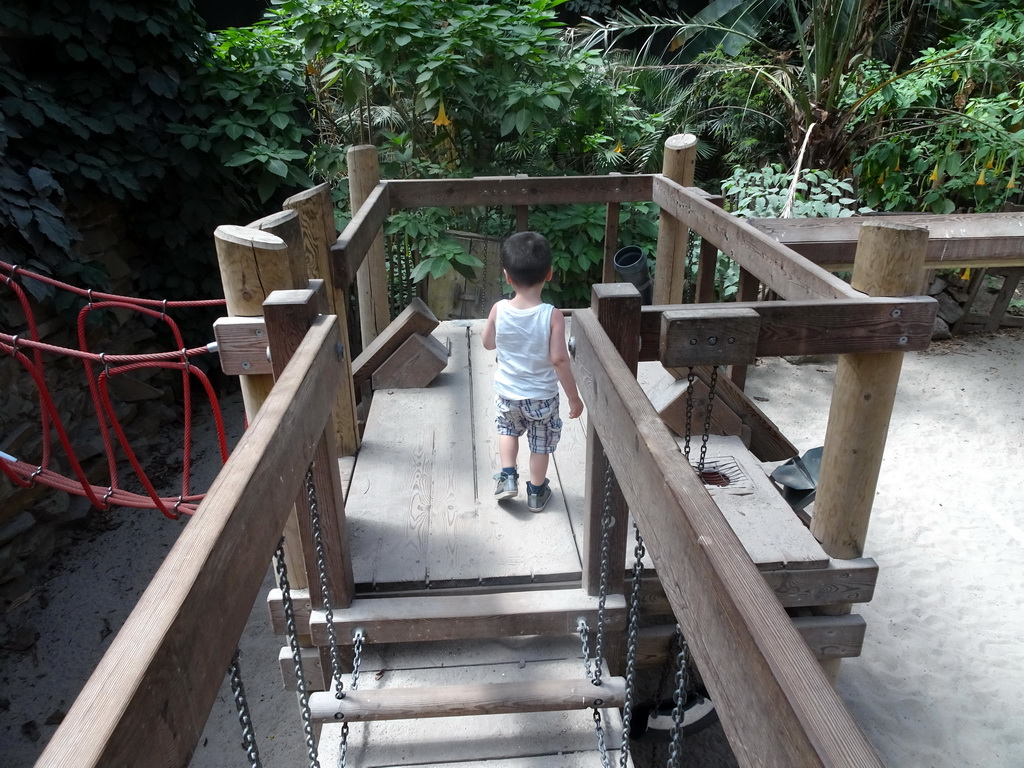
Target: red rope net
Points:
(100, 368)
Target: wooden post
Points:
(707, 265)
(611, 240)
(289, 315)
(253, 262)
(673, 237)
(316, 218)
(747, 290)
(889, 261)
(372, 277)
(617, 306)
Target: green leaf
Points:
(235, 130)
(508, 122)
(421, 270)
(280, 119)
(277, 167)
(439, 267)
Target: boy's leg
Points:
(508, 481)
(508, 450)
(539, 468)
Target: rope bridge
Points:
(28, 350)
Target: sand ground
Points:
(940, 682)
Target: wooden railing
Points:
(776, 705)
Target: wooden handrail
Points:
(354, 242)
(954, 241)
(777, 707)
(780, 268)
(519, 190)
(148, 700)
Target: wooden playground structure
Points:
(406, 546)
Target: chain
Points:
(293, 641)
(357, 656)
(343, 750)
(357, 659)
(632, 637)
(668, 669)
(602, 749)
(606, 547)
(584, 632)
(692, 249)
(689, 413)
(321, 566)
(707, 419)
(244, 717)
(679, 712)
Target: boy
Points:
(529, 336)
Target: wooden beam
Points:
(617, 308)
(444, 617)
(148, 700)
(352, 245)
(818, 327)
(827, 637)
(841, 581)
(512, 190)
(954, 241)
(467, 700)
(776, 705)
(780, 268)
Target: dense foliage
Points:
(905, 96)
(108, 101)
(184, 129)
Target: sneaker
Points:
(507, 487)
(537, 497)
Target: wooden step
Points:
(443, 617)
(468, 700)
(521, 739)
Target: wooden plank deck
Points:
(420, 507)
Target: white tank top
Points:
(523, 341)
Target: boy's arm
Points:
(488, 335)
(560, 359)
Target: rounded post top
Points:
(247, 236)
(681, 141)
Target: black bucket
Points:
(631, 266)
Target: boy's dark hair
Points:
(526, 256)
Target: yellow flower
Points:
(981, 179)
(442, 117)
(935, 173)
(618, 148)
(1011, 184)
(966, 274)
